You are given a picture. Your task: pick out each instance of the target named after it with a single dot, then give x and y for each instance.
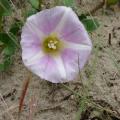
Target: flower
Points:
(55, 44)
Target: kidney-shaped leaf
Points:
(90, 24)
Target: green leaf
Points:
(10, 46)
(4, 38)
(5, 8)
(9, 50)
(35, 3)
(69, 3)
(8, 39)
(90, 24)
(82, 17)
(31, 12)
(15, 27)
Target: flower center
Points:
(52, 44)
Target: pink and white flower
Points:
(53, 42)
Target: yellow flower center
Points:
(52, 44)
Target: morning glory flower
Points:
(55, 44)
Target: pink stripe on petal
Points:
(28, 37)
(48, 19)
(46, 69)
(73, 30)
(61, 23)
(76, 36)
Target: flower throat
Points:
(52, 45)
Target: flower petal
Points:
(30, 29)
(71, 29)
(70, 59)
(48, 19)
(65, 23)
(34, 29)
(63, 20)
(83, 57)
(76, 46)
(29, 41)
(61, 67)
(46, 69)
(33, 59)
(29, 52)
(74, 61)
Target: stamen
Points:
(49, 45)
(51, 41)
(56, 42)
(52, 45)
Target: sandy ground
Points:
(101, 72)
